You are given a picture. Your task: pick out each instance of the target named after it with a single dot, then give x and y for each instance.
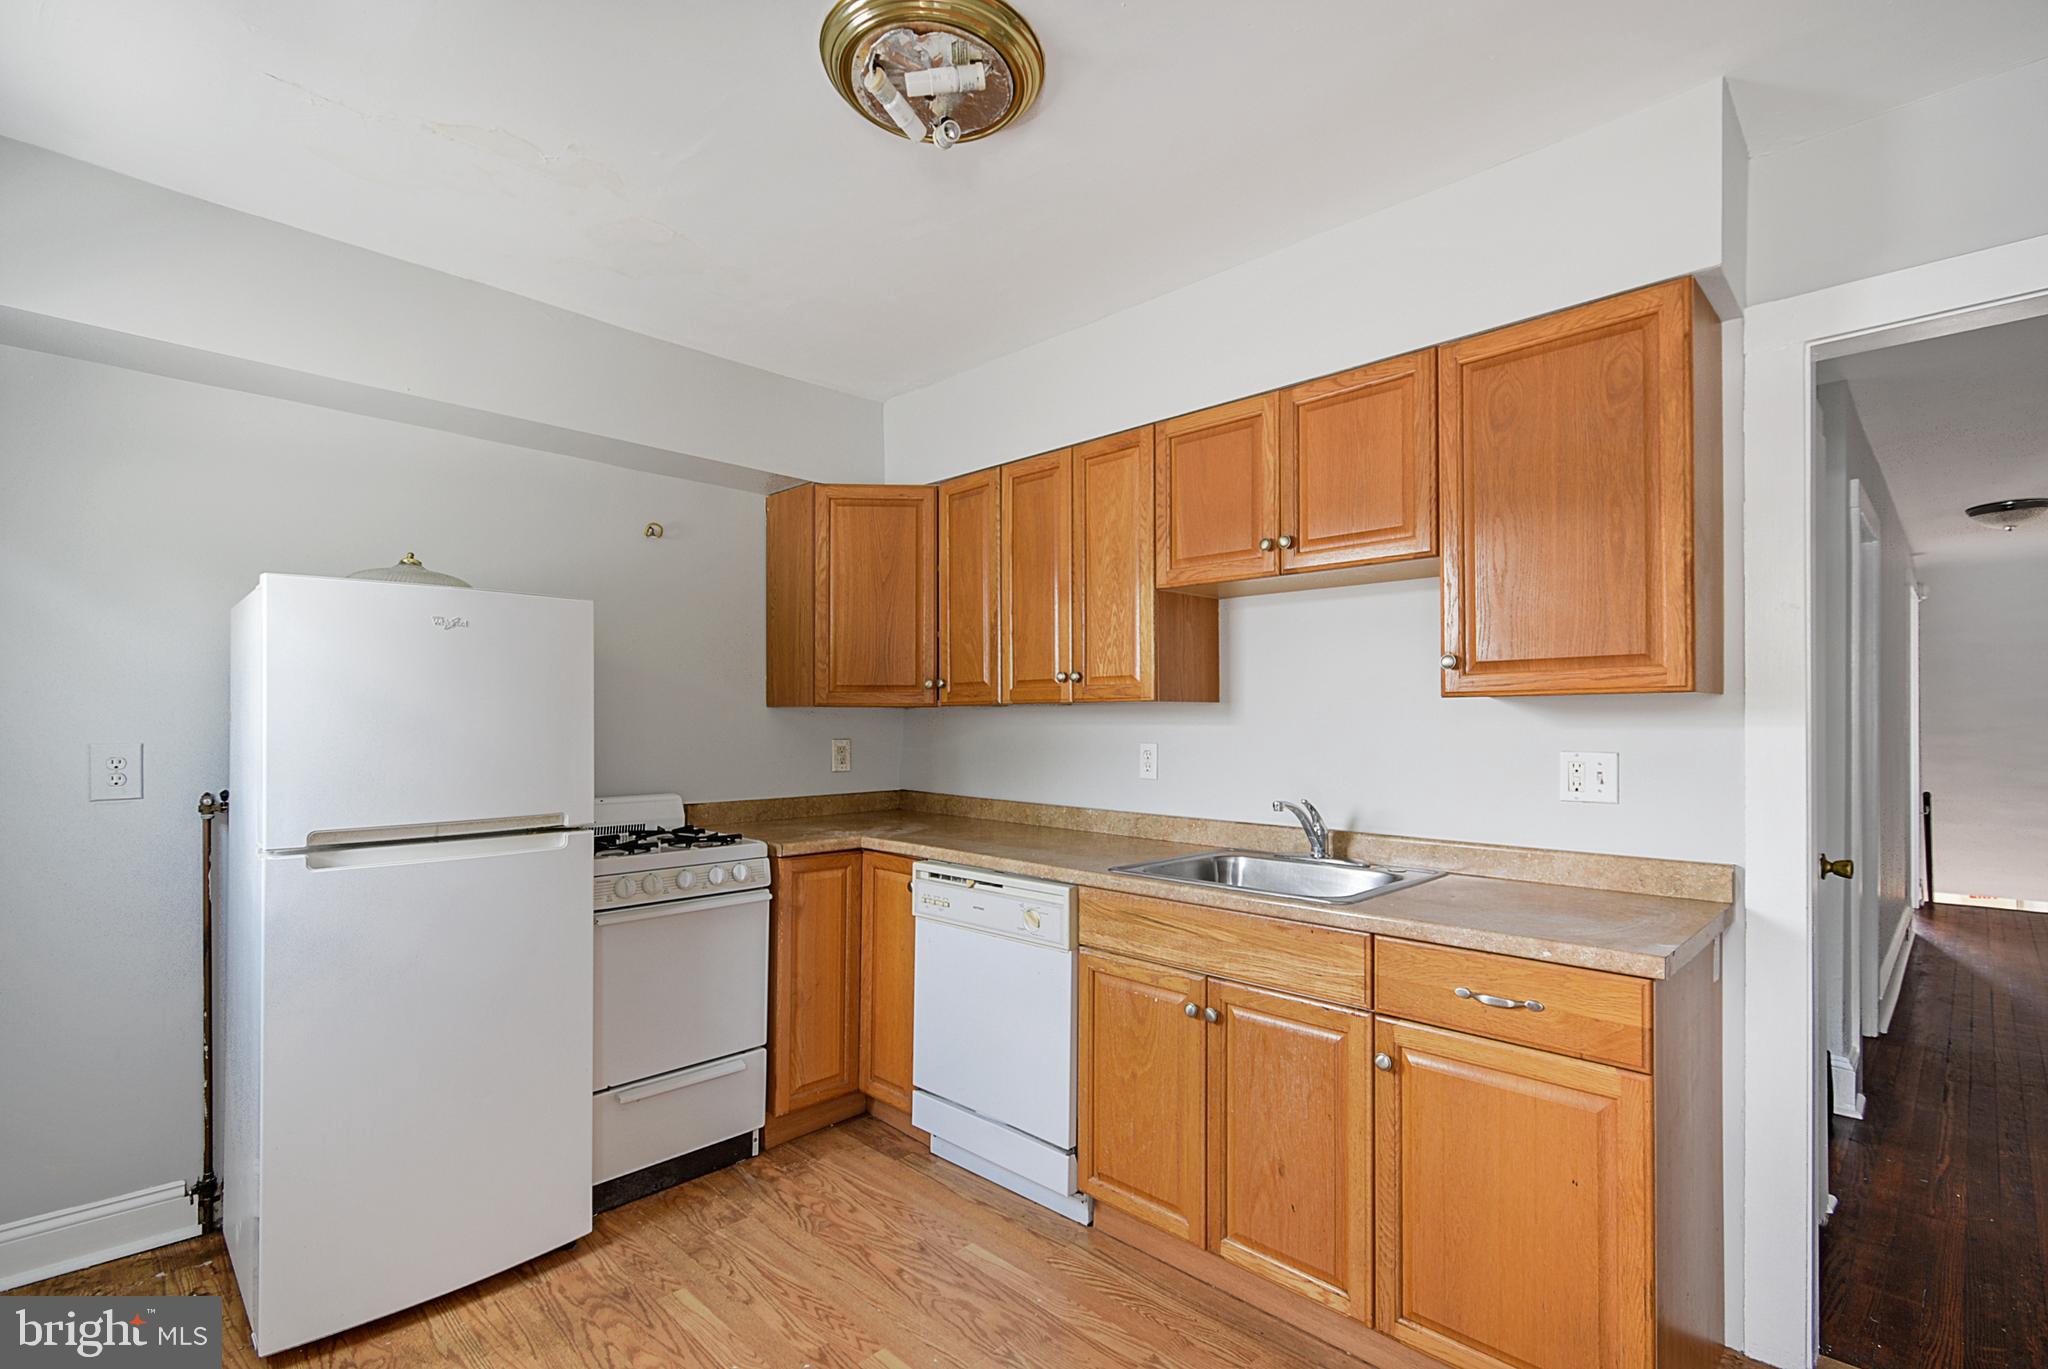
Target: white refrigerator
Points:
(404, 995)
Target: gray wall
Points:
(134, 511)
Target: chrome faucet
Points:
(1311, 822)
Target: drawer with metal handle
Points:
(1560, 1008)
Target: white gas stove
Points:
(681, 1065)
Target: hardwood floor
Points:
(851, 1249)
(1938, 1253)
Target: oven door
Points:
(680, 983)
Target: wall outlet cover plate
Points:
(1589, 776)
(113, 770)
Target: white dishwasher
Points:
(992, 1068)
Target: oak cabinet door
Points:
(970, 603)
(1141, 1089)
(1217, 487)
(1037, 578)
(1358, 466)
(1514, 1204)
(1114, 640)
(888, 959)
(877, 594)
(1290, 1143)
(1572, 530)
(814, 980)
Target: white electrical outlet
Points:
(113, 770)
(1589, 776)
(1148, 760)
(842, 755)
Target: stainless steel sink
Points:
(1302, 877)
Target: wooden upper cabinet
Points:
(1113, 632)
(1514, 1205)
(1217, 487)
(1358, 466)
(862, 572)
(1290, 1143)
(1580, 500)
(814, 981)
(970, 600)
(1037, 578)
(1141, 1090)
(888, 959)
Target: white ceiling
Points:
(682, 167)
(1956, 421)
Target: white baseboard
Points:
(77, 1237)
(1848, 1099)
(1893, 974)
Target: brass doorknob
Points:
(1840, 869)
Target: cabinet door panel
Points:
(1141, 1087)
(1566, 481)
(814, 975)
(888, 958)
(1290, 1143)
(1358, 465)
(1514, 1204)
(1114, 640)
(1217, 486)
(970, 635)
(1037, 577)
(877, 594)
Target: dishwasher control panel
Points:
(1002, 905)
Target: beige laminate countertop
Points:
(1635, 934)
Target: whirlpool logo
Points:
(448, 623)
(157, 1331)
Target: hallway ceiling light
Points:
(2007, 514)
(936, 71)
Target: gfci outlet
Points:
(113, 770)
(1148, 760)
(1589, 776)
(842, 755)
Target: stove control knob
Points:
(740, 871)
(651, 884)
(622, 887)
(714, 875)
(685, 878)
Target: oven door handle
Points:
(676, 906)
(681, 1079)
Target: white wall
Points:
(152, 279)
(134, 511)
(1948, 174)
(1984, 643)
(1637, 200)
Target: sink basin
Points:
(1256, 872)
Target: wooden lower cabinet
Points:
(1142, 1079)
(888, 960)
(1290, 1143)
(1515, 1208)
(814, 981)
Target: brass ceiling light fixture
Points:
(936, 71)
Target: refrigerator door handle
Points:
(442, 849)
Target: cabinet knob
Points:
(1193, 1011)
(1285, 541)
(1073, 677)
(1449, 660)
(1211, 1015)
(1059, 676)
(1265, 544)
(1383, 1061)
(942, 684)
(931, 684)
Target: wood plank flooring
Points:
(848, 1249)
(1937, 1257)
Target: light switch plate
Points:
(1589, 776)
(1148, 760)
(113, 770)
(842, 755)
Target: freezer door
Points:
(394, 705)
(425, 1094)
